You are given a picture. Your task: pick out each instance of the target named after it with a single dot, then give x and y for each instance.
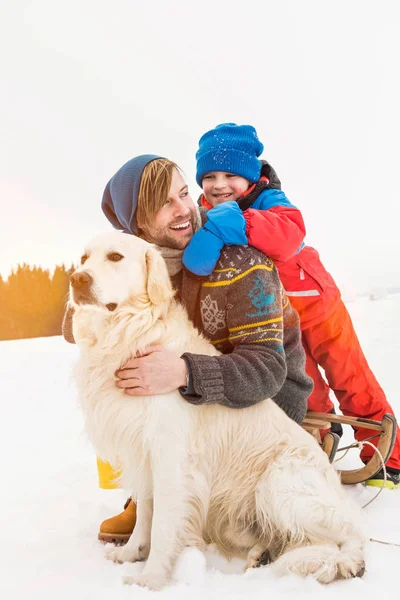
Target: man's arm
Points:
(255, 370)
(256, 367)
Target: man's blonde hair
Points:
(155, 184)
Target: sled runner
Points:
(386, 431)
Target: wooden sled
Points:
(314, 421)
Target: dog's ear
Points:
(159, 288)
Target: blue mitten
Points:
(225, 226)
(202, 253)
(227, 222)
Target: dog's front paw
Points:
(151, 581)
(127, 553)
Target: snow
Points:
(51, 507)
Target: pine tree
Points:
(59, 298)
(32, 302)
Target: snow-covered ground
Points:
(51, 508)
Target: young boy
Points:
(243, 195)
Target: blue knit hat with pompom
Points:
(230, 148)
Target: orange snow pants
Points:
(333, 344)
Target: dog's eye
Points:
(84, 259)
(115, 256)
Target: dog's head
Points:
(118, 269)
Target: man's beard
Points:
(164, 238)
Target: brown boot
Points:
(118, 529)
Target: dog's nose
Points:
(81, 280)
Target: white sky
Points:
(88, 84)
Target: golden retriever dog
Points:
(250, 481)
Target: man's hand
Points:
(155, 371)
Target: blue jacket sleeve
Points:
(270, 198)
(225, 226)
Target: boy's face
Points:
(174, 224)
(219, 187)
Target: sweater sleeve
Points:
(255, 369)
(274, 226)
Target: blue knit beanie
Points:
(230, 148)
(120, 196)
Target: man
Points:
(240, 307)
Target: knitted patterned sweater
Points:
(242, 308)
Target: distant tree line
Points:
(32, 302)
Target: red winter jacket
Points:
(279, 232)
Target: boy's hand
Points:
(226, 221)
(225, 225)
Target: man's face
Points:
(174, 224)
(219, 187)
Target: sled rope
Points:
(354, 445)
(386, 543)
(343, 455)
(361, 445)
(374, 498)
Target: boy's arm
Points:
(278, 231)
(256, 368)
(225, 226)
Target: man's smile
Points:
(184, 225)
